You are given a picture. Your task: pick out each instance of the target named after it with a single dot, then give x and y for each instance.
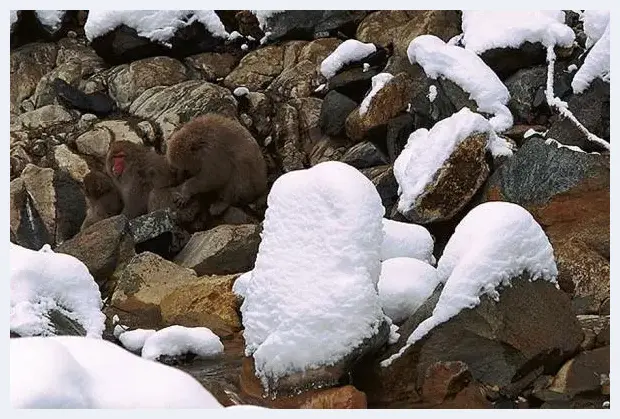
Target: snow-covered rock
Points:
(42, 281)
(179, 340)
(596, 64)
(378, 82)
(50, 19)
(77, 372)
(312, 299)
(404, 285)
(133, 340)
(468, 71)
(495, 243)
(594, 24)
(349, 51)
(406, 240)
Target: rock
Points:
(334, 111)
(287, 139)
(44, 118)
(387, 103)
(347, 397)
(145, 281)
(86, 121)
(19, 159)
(212, 66)
(95, 142)
(586, 373)
(353, 82)
(39, 185)
(117, 130)
(326, 149)
(398, 131)
(69, 72)
(28, 65)
(97, 103)
(532, 328)
(260, 110)
(61, 325)
(206, 302)
(158, 232)
(257, 69)
(506, 61)
(129, 81)
(568, 194)
(308, 24)
(308, 117)
(455, 183)
(169, 107)
(382, 27)
(451, 385)
(596, 331)
(364, 155)
(454, 93)
(383, 178)
(591, 108)
(103, 247)
(70, 162)
(222, 250)
(26, 224)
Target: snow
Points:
(244, 47)
(404, 285)
(320, 88)
(485, 30)
(43, 281)
(378, 82)
(571, 68)
(596, 64)
(240, 285)
(432, 93)
(348, 52)
(365, 67)
(594, 24)
(551, 141)
(468, 71)
(394, 335)
(180, 340)
(312, 298)
(406, 240)
(119, 329)
(241, 91)
(156, 25)
(134, 340)
(263, 15)
(427, 151)
(234, 35)
(494, 243)
(79, 372)
(531, 132)
(14, 18)
(51, 19)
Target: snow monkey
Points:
(136, 171)
(102, 198)
(220, 157)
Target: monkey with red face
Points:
(102, 198)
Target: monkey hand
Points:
(180, 198)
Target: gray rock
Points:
(385, 182)
(65, 159)
(312, 22)
(158, 232)
(336, 107)
(398, 131)
(29, 64)
(45, 117)
(364, 155)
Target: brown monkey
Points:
(221, 158)
(136, 171)
(102, 198)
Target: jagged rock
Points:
(39, 186)
(346, 397)
(73, 164)
(334, 111)
(158, 232)
(506, 61)
(354, 82)
(387, 103)
(451, 385)
(455, 183)
(171, 106)
(385, 182)
(326, 149)
(28, 65)
(568, 194)
(398, 131)
(129, 81)
(26, 224)
(595, 329)
(19, 160)
(364, 155)
(287, 138)
(222, 250)
(44, 118)
(212, 66)
(257, 69)
(308, 24)
(45, 94)
(260, 110)
(530, 330)
(70, 206)
(206, 302)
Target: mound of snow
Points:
(348, 52)
(404, 285)
(594, 24)
(180, 340)
(52, 19)
(263, 15)
(240, 285)
(494, 243)
(485, 30)
(378, 82)
(74, 372)
(312, 298)
(596, 64)
(427, 151)
(43, 281)
(134, 340)
(468, 71)
(406, 240)
(156, 25)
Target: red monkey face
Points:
(118, 163)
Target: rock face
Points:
(308, 23)
(222, 250)
(568, 194)
(28, 65)
(532, 328)
(336, 107)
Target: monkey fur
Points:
(221, 158)
(102, 198)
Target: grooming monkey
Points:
(102, 198)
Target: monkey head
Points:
(97, 184)
(116, 160)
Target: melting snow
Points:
(596, 64)
(432, 93)
(348, 52)
(594, 24)
(378, 82)
(180, 340)
(406, 240)
(241, 91)
(50, 18)
(134, 340)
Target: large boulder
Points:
(28, 65)
(306, 24)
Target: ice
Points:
(427, 151)
(78, 372)
(494, 243)
(406, 240)
(134, 340)
(240, 285)
(468, 71)
(378, 82)
(596, 64)
(42, 281)
(156, 25)
(312, 298)
(179, 340)
(50, 18)
(348, 52)
(404, 285)
(485, 30)
(594, 24)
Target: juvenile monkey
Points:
(220, 157)
(136, 171)
(102, 198)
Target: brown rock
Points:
(257, 69)
(387, 103)
(383, 27)
(450, 385)
(287, 139)
(347, 397)
(595, 329)
(39, 182)
(587, 372)
(326, 149)
(207, 302)
(65, 159)
(28, 65)
(212, 66)
(44, 118)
